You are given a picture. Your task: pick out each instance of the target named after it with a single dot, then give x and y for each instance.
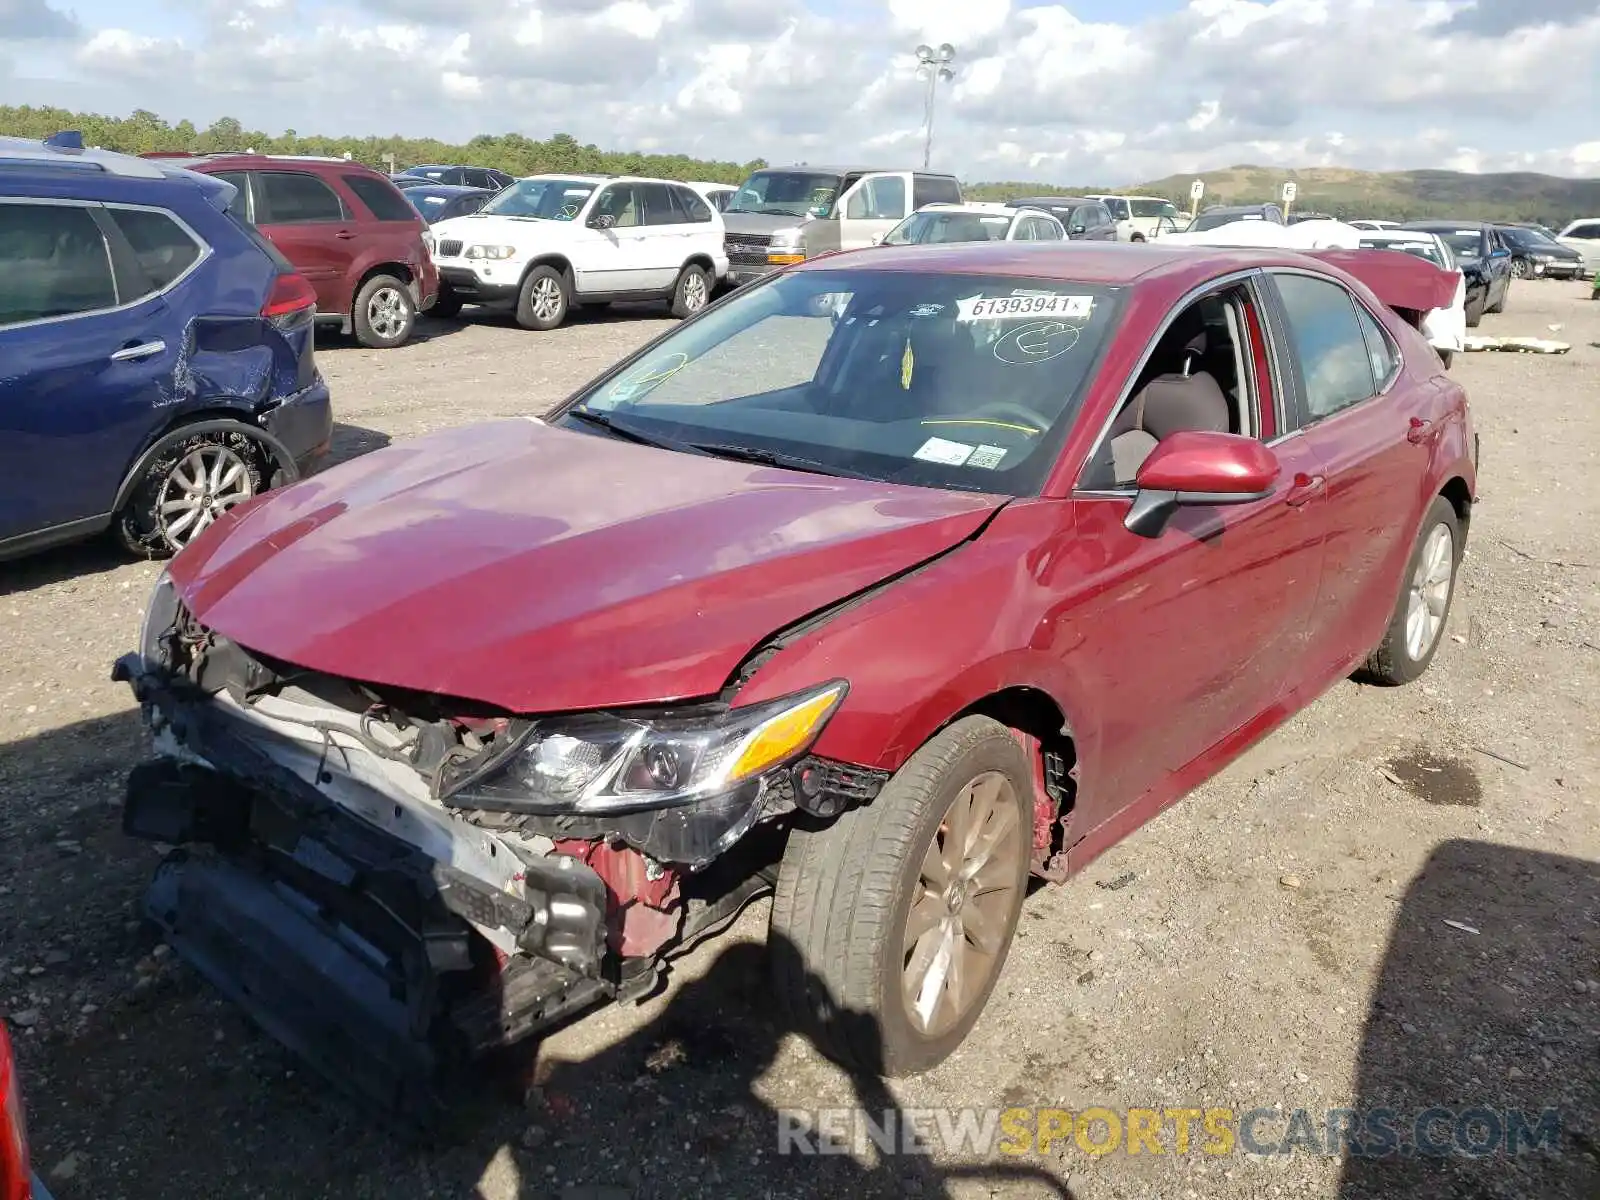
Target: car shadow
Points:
(1484, 1022)
(426, 329)
(150, 1085)
(100, 555)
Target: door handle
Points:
(1418, 430)
(1304, 488)
(136, 352)
(344, 234)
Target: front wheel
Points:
(384, 313)
(1423, 607)
(185, 489)
(543, 302)
(1521, 268)
(891, 925)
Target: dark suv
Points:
(478, 177)
(158, 352)
(349, 231)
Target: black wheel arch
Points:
(277, 456)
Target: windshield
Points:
(1118, 207)
(786, 193)
(943, 380)
(1154, 208)
(1428, 250)
(1468, 243)
(1214, 220)
(546, 199)
(948, 227)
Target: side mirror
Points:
(1191, 469)
(602, 221)
(1078, 229)
(1500, 253)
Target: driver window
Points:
(620, 202)
(879, 198)
(1201, 376)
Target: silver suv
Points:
(785, 215)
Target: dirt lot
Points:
(1393, 901)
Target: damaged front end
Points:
(391, 882)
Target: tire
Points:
(1505, 296)
(1400, 659)
(1521, 268)
(227, 465)
(446, 305)
(384, 313)
(545, 299)
(1474, 315)
(1138, 237)
(845, 893)
(692, 292)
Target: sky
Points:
(1089, 91)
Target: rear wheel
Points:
(384, 313)
(692, 291)
(543, 302)
(891, 925)
(1475, 314)
(1423, 606)
(185, 489)
(1500, 307)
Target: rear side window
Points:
(162, 246)
(295, 198)
(880, 198)
(1380, 349)
(693, 204)
(1588, 231)
(659, 206)
(1335, 362)
(383, 199)
(53, 263)
(934, 189)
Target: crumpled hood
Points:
(765, 223)
(542, 569)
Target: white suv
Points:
(1583, 235)
(549, 242)
(1137, 217)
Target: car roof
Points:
(574, 177)
(991, 208)
(1397, 235)
(244, 160)
(452, 190)
(1109, 263)
(731, 187)
(15, 151)
(1125, 196)
(850, 169)
(1232, 208)
(1436, 225)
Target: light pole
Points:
(933, 65)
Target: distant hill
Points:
(1396, 195)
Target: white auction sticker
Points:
(938, 450)
(1005, 308)
(987, 456)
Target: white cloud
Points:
(1039, 92)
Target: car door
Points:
(312, 227)
(668, 236)
(1353, 404)
(703, 231)
(1189, 637)
(1499, 260)
(90, 348)
(872, 206)
(615, 258)
(1103, 227)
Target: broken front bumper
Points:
(373, 960)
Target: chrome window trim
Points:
(1193, 296)
(122, 305)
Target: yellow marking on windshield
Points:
(981, 421)
(908, 363)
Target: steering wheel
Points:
(1006, 408)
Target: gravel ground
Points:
(1392, 901)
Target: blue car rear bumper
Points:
(303, 423)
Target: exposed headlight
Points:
(786, 239)
(602, 763)
(492, 252)
(159, 615)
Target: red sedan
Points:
(879, 585)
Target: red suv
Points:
(346, 228)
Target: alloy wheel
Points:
(957, 923)
(386, 313)
(547, 299)
(1428, 596)
(204, 484)
(694, 292)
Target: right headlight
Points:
(603, 763)
(493, 253)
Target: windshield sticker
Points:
(1006, 308)
(987, 457)
(1036, 342)
(908, 363)
(938, 450)
(631, 387)
(1466, 233)
(926, 310)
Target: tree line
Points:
(144, 132)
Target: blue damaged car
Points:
(157, 363)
